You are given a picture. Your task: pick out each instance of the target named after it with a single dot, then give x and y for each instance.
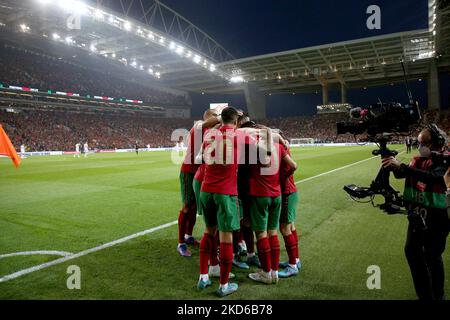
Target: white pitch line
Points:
(29, 253)
(83, 253)
(136, 235)
(340, 168)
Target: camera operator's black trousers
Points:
(424, 249)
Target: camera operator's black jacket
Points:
(425, 187)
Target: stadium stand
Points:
(44, 130)
(34, 69)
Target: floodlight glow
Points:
(55, 36)
(150, 70)
(93, 48)
(69, 40)
(98, 14)
(111, 19)
(161, 40)
(189, 54)
(197, 59)
(172, 45)
(43, 1)
(141, 67)
(127, 26)
(24, 27)
(236, 79)
(158, 75)
(73, 6)
(134, 64)
(212, 68)
(151, 36)
(179, 50)
(113, 55)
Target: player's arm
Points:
(211, 122)
(290, 163)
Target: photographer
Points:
(425, 199)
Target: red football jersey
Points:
(265, 182)
(199, 175)
(220, 157)
(194, 144)
(287, 182)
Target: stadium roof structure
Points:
(156, 40)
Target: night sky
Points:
(250, 27)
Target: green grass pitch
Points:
(67, 204)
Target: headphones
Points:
(438, 137)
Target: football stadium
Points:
(117, 119)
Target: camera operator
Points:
(425, 199)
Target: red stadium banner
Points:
(7, 149)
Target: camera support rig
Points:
(379, 186)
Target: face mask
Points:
(424, 151)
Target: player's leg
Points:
(207, 242)
(259, 207)
(237, 243)
(227, 222)
(272, 227)
(287, 228)
(191, 217)
(185, 187)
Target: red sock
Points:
(205, 252)
(190, 220)
(291, 248)
(181, 226)
(294, 233)
(226, 259)
(274, 252)
(214, 260)
(249, 239)
(264, 253)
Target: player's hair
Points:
(229, 115)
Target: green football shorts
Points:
(265, 213)
(289, 208)
(221, 210)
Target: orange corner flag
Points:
(7, 149)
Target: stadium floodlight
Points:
(24, 27)
(151, 36)
(69, 40)
(189, 54)
(55, 36)
(111, 19)
(113, 55)
(150, 70)
(179, 50)
(93, 48)
(236, 79)
(212, 68)
(172, 45)
(73, 6)
(98, 14)
(127, 26)
(158, 75)
(197, 58)
(134, 64)
(141, 67)
(161, 40)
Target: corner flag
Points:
(7, 149)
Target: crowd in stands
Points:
(32, 69)
(48, 130)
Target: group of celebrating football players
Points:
(239, 176)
